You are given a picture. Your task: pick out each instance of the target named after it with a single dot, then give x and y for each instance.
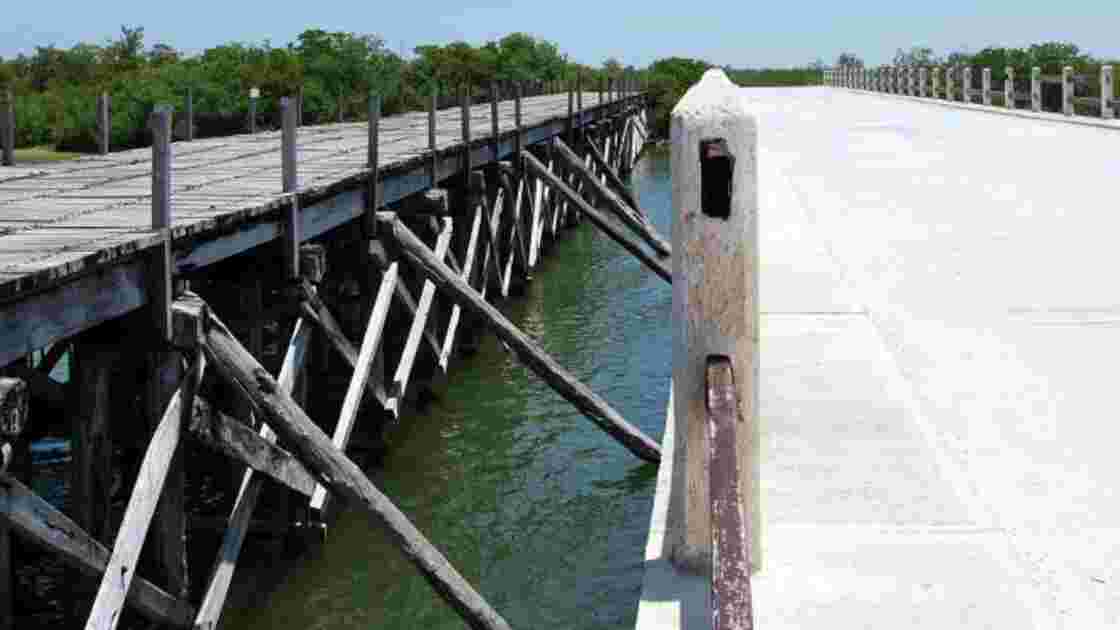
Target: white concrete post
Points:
(1036, 89)
(1106, 92)
(1009, 88)
(922, 81)
(715, 301)
(911, 80)
(986, 82)
(936, 80)
(949, 83)
(966, 87)
(1067, 91)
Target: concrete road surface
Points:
(940, 366)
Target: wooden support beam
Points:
(14, 406)
(38, 522)
(14, 403)
(315, 312)
(431, 202)
(169, 530)
(419, 323)
(237, 440)
(466, 274)
(612, 177)
(600, 221)
(344, 477)
(593, 407)
(613, 202)
(91, 449)
(371, 343)
(121, 568)
(240, 518)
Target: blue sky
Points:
(741, 32)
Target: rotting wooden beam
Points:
(37, 521)
(371, 343)
(344, 477)
(600, 221)
(465, 273)
(587, 401)
(405, 297)
(240, 518)
(614, 203)
(121, 568)
(239, 441)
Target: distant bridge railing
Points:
(964, 84)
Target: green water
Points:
(540, 510)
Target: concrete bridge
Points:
(939, 325)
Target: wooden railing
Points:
(713, 519)
(960, 85)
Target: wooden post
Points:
(189, 111)
(579, 103)
(986, 86)
(104, 123)
(599, 99)
(583, 398)
(495, 130)
(571, 113)
(715, 301)
(1067, 91)
(14, 406)
(1036, 89)
(433, 159)
(254, 94)
(465, 132)
(1009, 88)
(339, 106)
(8, 128)
(289, 119)
(299, 107)
(518, 167)
(1106, 92)
(373, 140)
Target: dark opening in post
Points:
(716, 167)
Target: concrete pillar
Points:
(1067, 91)
(1106, 92)
(966, 84)
(936, 80)
(911, 81)
(1036, 89)
(1009, 88)
(986, 81)
(949, 84)
(922, 82)
(715, 304)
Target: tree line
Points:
(55, 89)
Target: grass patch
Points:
(43, 154)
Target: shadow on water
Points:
(537, 508)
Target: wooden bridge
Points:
(197, 280)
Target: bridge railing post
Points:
(986, 85)
(935, 79)
(1067, 91)
(1107, 93)
(104, 122)
(949, 95)
(713, 509)
(188, 111)
(966, 84)
(1009, 88)
(8, 128)
(254, 94)
(1036, 89)
(922, 81)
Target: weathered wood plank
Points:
(419, 323)
(121, 568)
(595, 408)
(371, 342)
(40, 523)
(238, 440)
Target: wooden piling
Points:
(289, 119)
(8, 128)
(14, 406)
(254, 93)
(372, 159)
(188, 110)
(104, 123)
(583, 398)
(433, 158)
